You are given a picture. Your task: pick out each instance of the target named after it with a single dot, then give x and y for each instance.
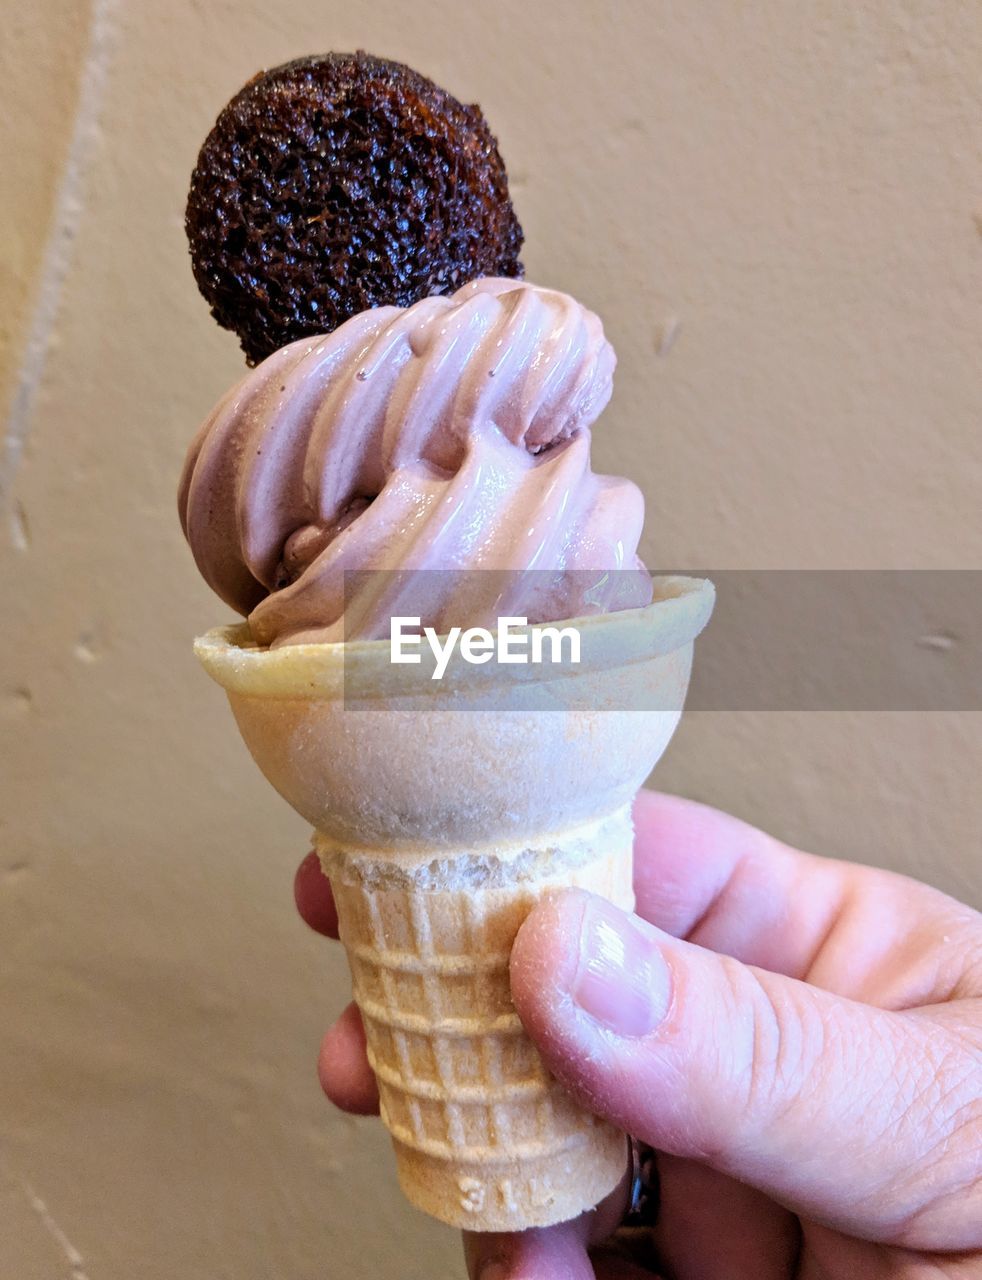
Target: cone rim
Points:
(678, 613)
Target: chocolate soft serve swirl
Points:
(449, 436)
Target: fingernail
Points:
(621, 979)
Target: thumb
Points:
(835, 1109)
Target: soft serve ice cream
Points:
(452, 436)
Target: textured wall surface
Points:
(776, 208)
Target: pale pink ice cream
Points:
(452, 435)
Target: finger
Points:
(343, 1069)
(313, 896)
(709, 1225)
(609, 1265)
(542, 1253)
(837, 1110)
(827, 1253)
(545, 1253)
(704, 875)
(860, 932)
(706, 1225)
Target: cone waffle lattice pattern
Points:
(484, 1137)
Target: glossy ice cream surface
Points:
(449, 436)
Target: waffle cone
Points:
(443, 814)
(483, 1134)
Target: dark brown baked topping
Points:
(333, 184)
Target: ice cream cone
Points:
(444, 810)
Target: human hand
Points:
(800, 1039)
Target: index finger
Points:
(857, 931)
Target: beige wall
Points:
(796, 189)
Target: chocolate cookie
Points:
(333, 184)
